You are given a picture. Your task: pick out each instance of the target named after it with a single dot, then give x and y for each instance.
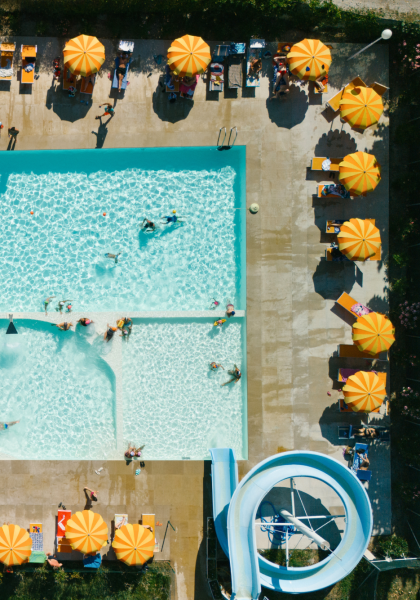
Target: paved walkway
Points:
(293, 329)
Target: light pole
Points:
(385, 35)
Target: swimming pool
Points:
(62, 392)
(60, 248)
(76, 396)
(173, 403)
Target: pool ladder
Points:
(233, 131)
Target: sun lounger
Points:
(92, 561)
(347, 302)
(362, 474)
(120, 520)
(150, 521)
(316, 163)
(334, 102)
(235, 75)
(322, 186)
(317, 90)
(171, 85)
(69, 79)
(28, 58)
(115, 80)
(379, 88)
(334, 226)
(63, 545)
(352, 351)
(6, 61)
(344, 374)
(88, 84)
(254, 52)
(329, 257)
(217, 77)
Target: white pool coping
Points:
(113, 356)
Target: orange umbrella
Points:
(87, 532)
(84, 55)
(189, 55)
(364, 392)
(133, 544)
(359, 239)
(309, 59)
(361, 107)
(359, 173)
(373, 333)
(15, 545)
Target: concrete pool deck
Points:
(292, 326)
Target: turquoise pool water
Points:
(174, 404)
(75, 396)
(60, 249)
(62, 392)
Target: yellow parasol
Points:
(84, 55)
(87, 532)
(15, 545)
(133, 544)
(359, 173)
(361, 107)
(359, 239)
(309, 59)
(373, 333)
(189, 55)
(364, 392)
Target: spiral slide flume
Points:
(235, 517)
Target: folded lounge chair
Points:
(316, 163)
(379, 88)
(28, 62)
(6, 61)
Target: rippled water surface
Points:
(173, 403)
(61, 391)
(60, 249)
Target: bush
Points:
(393, 546)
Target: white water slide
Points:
(235, 508)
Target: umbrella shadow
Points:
(332, 279)
(168, 111)
(335, 143)
(298, 103)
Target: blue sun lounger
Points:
(115, 78)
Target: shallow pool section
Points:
(60, 249)
(60, 390)
(173, 404)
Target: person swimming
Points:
(214, 366)
(46, 303)
(173, 219)
(69, 307)
(236, 375)
(230, 312)
(84, 321)
(61, 304)
(214, 304)
(125, 334)
(63, 326)
(148, 226)
(7, 425)
(109, 333)
(114, 256)
(219, 322)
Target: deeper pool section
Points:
(60, 248)
(60, 390)
(173, 403)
